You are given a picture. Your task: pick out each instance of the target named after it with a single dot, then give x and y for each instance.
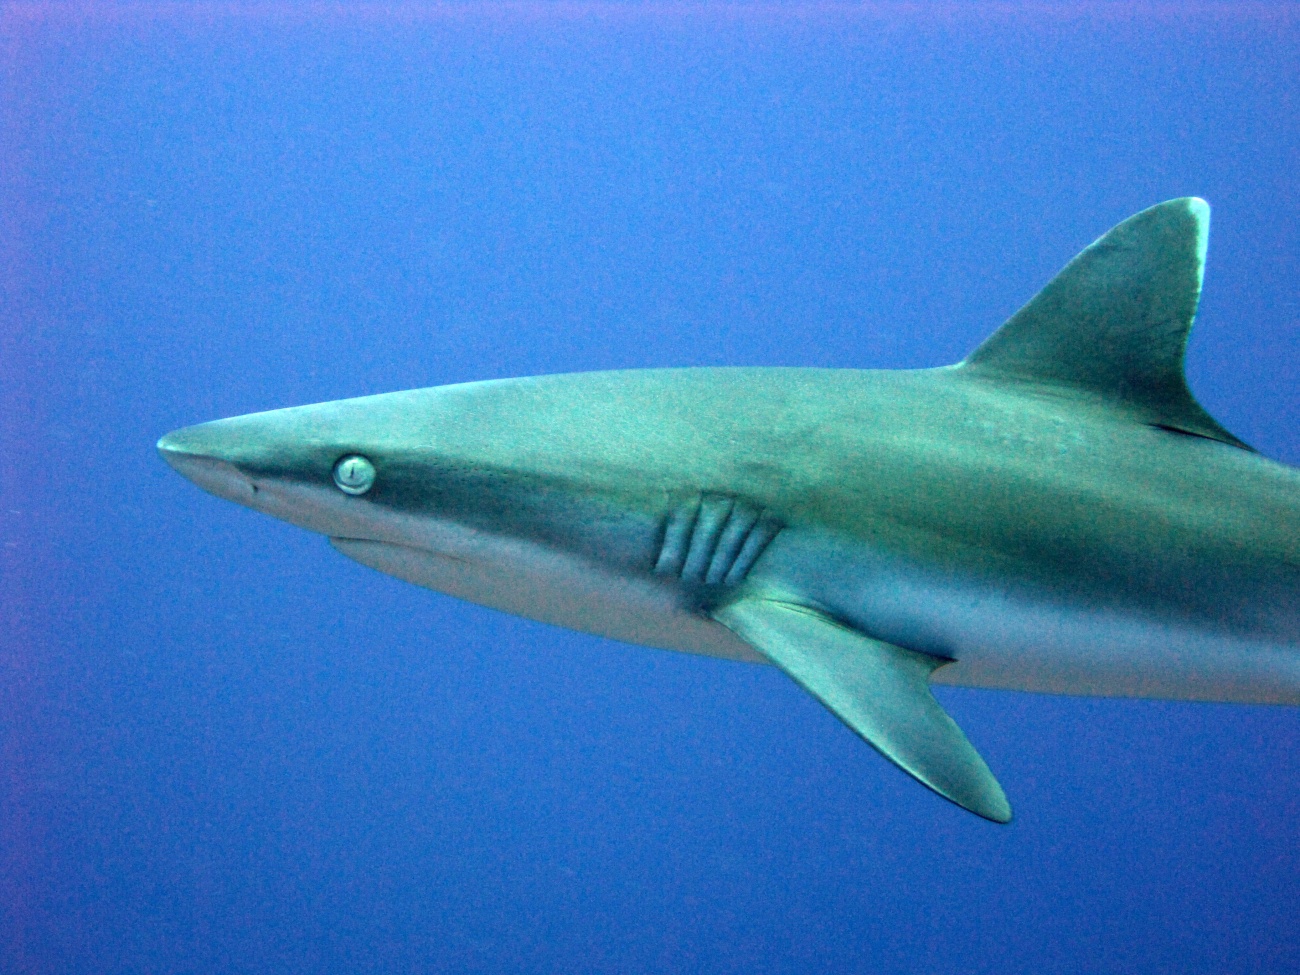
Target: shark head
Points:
(441, 470)
(428, 467)
(590, 464)
(551, 497)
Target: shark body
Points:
(1056, 513)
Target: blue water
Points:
(227, 749)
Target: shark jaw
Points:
(1056, 513)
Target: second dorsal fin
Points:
(1115, 321)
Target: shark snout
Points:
(250, 460)
(202, 463)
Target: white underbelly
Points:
(542, 584)
(996, 639)
(1018, 642)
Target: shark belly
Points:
(1111, 651)
(1022, 637)
(544, 584)
(995, 636)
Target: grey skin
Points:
(1056, 513)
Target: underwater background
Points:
(226, 749)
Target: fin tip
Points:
(1199, 211)
(1000, 814)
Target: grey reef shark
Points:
(1056, 513)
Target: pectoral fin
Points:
(879, 690)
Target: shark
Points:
(1056, 513)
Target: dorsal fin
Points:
(1115, 321)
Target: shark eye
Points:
(354, 474)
